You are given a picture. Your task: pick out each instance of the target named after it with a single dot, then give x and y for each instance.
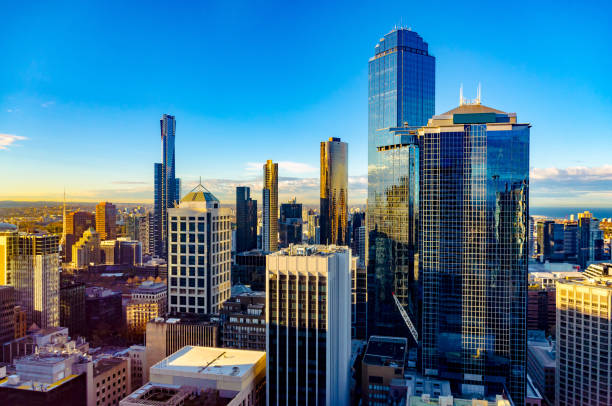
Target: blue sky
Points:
(83, 85)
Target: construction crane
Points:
(407, 320)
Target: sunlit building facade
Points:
(106, 221)
(270, 207)
(474, 248)
(401, 96)
(334, 192)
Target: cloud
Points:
(294, 168)
(576, 185)
(575, 173)
(127, 182)
(47, 104)
(7, 140)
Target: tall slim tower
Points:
(401, 98)
(106, 221)
(166, 185)
(246, 220)
(474, 248)
(334, 192)
(270, 209)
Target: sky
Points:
(84, 84)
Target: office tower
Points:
(103, 313)
(7, 314)
(401, 92)
(244, 321)
(177, 190)
(165, 336)
(130, 251)
(589, 240)
(359, 302)
(106, 221)
(334, 192)
(36, 278)
(246, 220)
(357, 220)
(145, 233)
(20, 322)
(532, 239)
(584, 327)
(166, 186)
(148, 301)
(72, 306)
(570, 240)
(270, 208)
(199, 257)
(249, 268)
(541, 308)
(308, 316)
(75, 225)
(473, 248)
(86, 250)
(314, 231)
(8, 250)
(290, 224)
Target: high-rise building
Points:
(86, 250)
(589, 240)
(249, 268)
(308, 316)
(199, 258)
(401, 93)
(359, 303)
(75, 225)
(334, 192)
(7, 314)
(290, 224)
(314, 230)
(270, 207)
(584, 330)
(148, 301)
(473, 248)
(246, 220)
(104, 314)
(166, 186)
(8, 250)
(72, 306)
(106, 221)
(36, 278)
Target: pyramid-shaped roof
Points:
(473, 109)
(199, 194)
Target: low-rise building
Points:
(111, 381)
(541, 367)
(244, 321)
(383, 362)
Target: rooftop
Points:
(310, 250)
(199, 194)
(543, 353)
(388, 351)
(104, 364)
(210, 361)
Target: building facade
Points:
(584, 339)
(246, 220)
(86, 250)
(199, 261)
(401, 92)
(473, 248)
(334, 193)
(308, 315)
(290, 224)
(7, 314)
(72, 306)
(75, 225)
(270, 207)
(244, 321)
(165, 184)
(106, 221)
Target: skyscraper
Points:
(75, 225)
(401, 93)
(308, 319)
(290, 224)
(270, 209)
(474, 248)
(167, 186)
(106, 221)
(199, 258)
(246, 220)
(334, 192)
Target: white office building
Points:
(199, 254)
(308, 334)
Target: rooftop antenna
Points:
(461, 95)
(478, 94)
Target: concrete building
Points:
(541, 367)
(541, 309)
(218, 375)
(7, 314)
(86, 250)
(584, 331)
(382, 363)
(110, 381)
(106, 221)
(244, 321)
(199, 254)
(138, 361)
(308, 315)
(137, 315)
(165, 336)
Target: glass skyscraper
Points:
(270, 207)
(474, 181)
(246, 220)
(401, 98)
(334, 192)
(167, 186)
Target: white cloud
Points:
(577, 173)
(7, 140)
(284, 167)
(47, 104)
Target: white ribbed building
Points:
(199, 254)
(308, 334)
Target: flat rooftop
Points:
(34, 385)
(210, 361)
(389, 351)
(305, 250)
(542, 354)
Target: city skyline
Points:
(42, 89)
